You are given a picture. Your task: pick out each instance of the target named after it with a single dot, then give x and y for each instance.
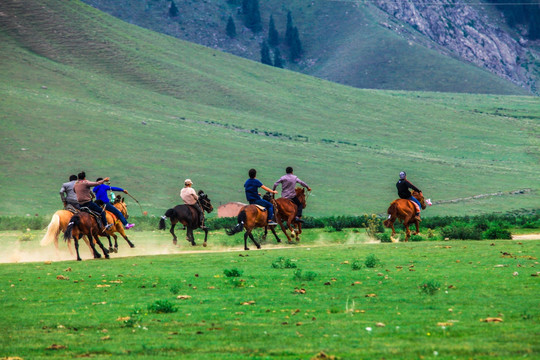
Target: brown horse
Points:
(117, 226)
(81, 224)
(251, 217)
(286, 211)
(59, 222)
(405, 211)
(189, 217)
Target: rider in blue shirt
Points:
(101, 194)
(252, 186)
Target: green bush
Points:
(417, 238)
(430, 287)
(356, 265)
(233, 272)
(372, 261)
(282, 263)
(497, 232)
(384, 237)
(162, 307)
(461, 231)
(305, 275)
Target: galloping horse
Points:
(286, 210)
(405, 211)
(59, 222)
(251, 217)
(117, 224)
(81, 224)
(187, 216)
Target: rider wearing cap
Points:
(191, 198)
(403, 185)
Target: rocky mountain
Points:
(468, 32)
(403, 45)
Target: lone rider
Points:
(67, 194)
(84, 196)
(191, 198)
(101, 194)
(252, 186)
(288, 184)
(403, 185)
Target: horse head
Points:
(420, 197)
(204, 200)
(120, 204)
(301, 195)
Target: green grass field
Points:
(80, 90)
(434, 300)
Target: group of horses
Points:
(83, 225)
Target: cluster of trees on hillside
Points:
(524, 12)
(252, 20)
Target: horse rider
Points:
(288, 190)
(84, 196)
(190, 197)
(67, 194)
(403, 185)
(101, 194)
(252, 186)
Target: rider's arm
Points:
(268, 189)
(62, 194)
(411, 186)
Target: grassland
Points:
(420, 300)
(82, 90)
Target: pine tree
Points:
(252, 15)
(265, 54)
(289, 30)
(273, 35)
(278, 61)
(231, 28)
(173, 10)
(296, 45)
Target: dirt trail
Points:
(526, 237)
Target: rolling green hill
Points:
(81, 90)
(347, 42)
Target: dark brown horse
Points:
(81, 224)
(117, 226)
(249, 218)
(286, 211)
(187, 216)
(405, 211)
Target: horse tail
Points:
(392, 213)
(74, 221)
(53, 229)
(240, 226)
(168, 214)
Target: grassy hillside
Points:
(343, 41)
(82, 90)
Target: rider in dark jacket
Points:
(403, 186)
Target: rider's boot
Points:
(271, 222)
(417, 217)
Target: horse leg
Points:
(275, 234)
(205, 236)
(280, 222)
(123, 233)
(115, 249)
(246, 234)
(417, 227)
(173, 224)
(254, 241)
(105, 252)
(191, 237)
(76, 241)
(407, 232)
(111, 248)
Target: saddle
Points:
(262, 208)
(71, 209)
(94, 214)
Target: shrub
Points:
(233, 272)
(305, 275)
(496, 232)
(282, 263)
(356, 265)
(417, 238)
(384, 237)
(430, 287)
(162, 307)
(175, 289)
(374, 226)
(134, 319)
(371, 261)
(461, 231)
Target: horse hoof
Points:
(174, 242)
(246, 248)
(258, 247)
(204, 244)
(132, 245)
(115, 250)
(111, 249)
